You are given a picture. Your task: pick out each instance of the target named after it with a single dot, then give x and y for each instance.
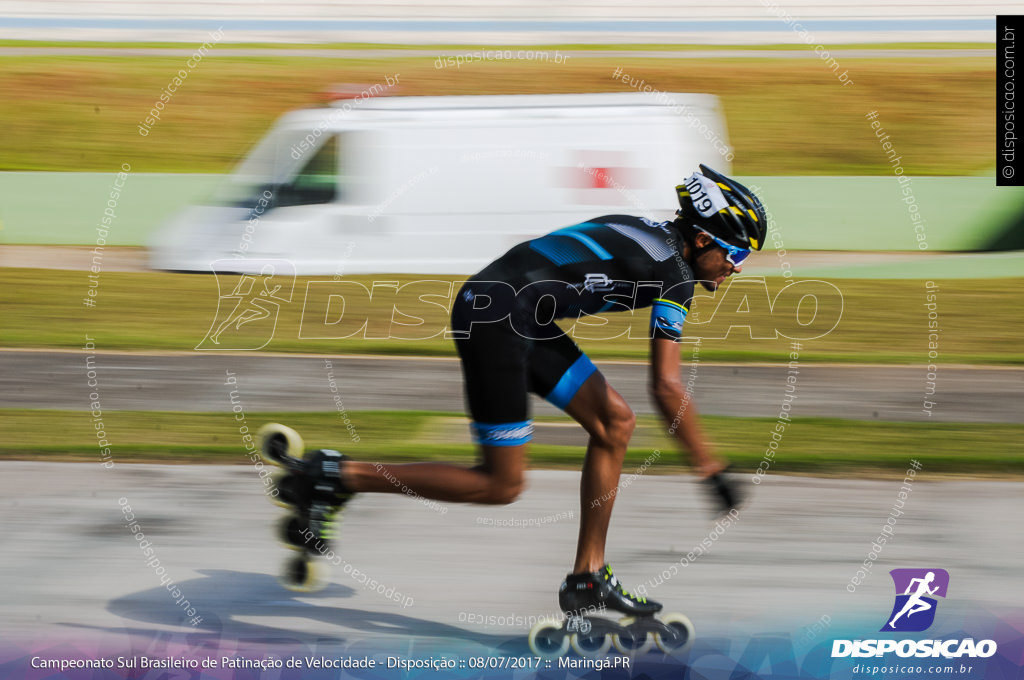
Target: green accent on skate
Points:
(883, 321)
(328, 531)
(818, 446)
(609, 574)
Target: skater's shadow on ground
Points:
(255, 607)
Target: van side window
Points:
(316, 182)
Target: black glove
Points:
(725, 493)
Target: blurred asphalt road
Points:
(195, 382)
(72, 569)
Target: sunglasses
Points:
(734, 254)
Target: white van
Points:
(442, 185)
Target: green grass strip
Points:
(881, 321)
(820, 446)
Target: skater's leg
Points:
(498, 480)
(493, 357)
(609, 420)
(494, 369)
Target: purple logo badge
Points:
(915, 605)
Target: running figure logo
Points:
(254, 302)
(914, 610)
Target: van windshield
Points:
(280, 170)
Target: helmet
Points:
(723, 207)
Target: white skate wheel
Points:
(590, 647)
(270, 443)
(301, 575)
(548, 640)
(685, 633)
(629, 646)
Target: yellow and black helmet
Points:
(723, 207)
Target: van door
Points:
(298, 224)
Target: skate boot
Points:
(594, 592)
(318, 494)
(313, 491)
(327, 485)
(584, 597)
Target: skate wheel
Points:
(292, 532)
(300, 574)
(590, 646)
(627, 644)
(547, 640)
(684, 633)
(278, 443)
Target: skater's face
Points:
(715, 265)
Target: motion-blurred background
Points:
(867, 127)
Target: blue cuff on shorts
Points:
(571, 382)
(502, 434)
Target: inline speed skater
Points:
(504, 324)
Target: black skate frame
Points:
(597, 627)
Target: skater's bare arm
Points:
(676, 406)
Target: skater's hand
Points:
(725, 492)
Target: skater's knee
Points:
(615, 427)
(625, 422)
(503, 475)
(505, 491)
